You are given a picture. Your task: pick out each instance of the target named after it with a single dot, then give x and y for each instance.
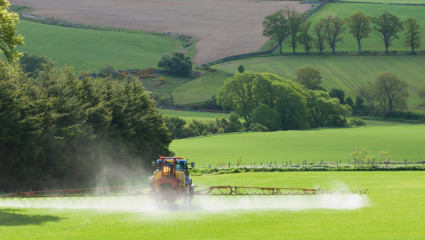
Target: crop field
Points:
(373, 43)
(190, 115)
(402, 142)
(95, 48)
(392, 210)
(345, 72)
(206, 20)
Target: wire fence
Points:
(336, 165)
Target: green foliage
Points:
(320, 34)
(325, 111)
(276, 27)
(32, 64)
(304, 37)
(334, 28)
(65, 128)
(176, 63)
(241, 69)
(387, 26)
(413, 39)
(359, 25)
(266, 98)
(8, 39)
(309, 77)
(344, 72)
(295, 21)
(179, 128)
(265, 116)
(340, 94)
(389, 91)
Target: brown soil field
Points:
(223, 27)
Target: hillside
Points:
(92, 49)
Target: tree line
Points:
(57, 127)
(289, 25)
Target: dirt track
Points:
(223, 27)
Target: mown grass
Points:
(402, 142)
(200, 89)
(395, 212)
(373, 43)
(90, 50)
(190, 115)
(345, 72)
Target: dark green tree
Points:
(387, 27)
(320, 34)
(337, 93)
(295, 20)
(275, 26)
(176, 63)
(388, 91)
(304, 37)
(334, 28)
(413, 39)
(359, 25)
(309, 77)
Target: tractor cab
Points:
(171, 179)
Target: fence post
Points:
(229, 164)
(405, 162)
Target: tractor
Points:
(171, 180)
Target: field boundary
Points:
(304, 167)
(267, 52)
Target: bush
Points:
(176, 63)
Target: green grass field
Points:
(373, 43)
(93, 49)
(200, 89)
(403, 142)
(395, 211)
(190, 115)
(345, 72)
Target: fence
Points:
(322, 165)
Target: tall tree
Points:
(320, 34)
(276, 27)
(304, 37)
(295, 20)
(309, 77)
(387, 26)
(389, 91)
(334, 29)
(413, 39)
(359, 25)
(8, 39)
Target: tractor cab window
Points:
(180, 166)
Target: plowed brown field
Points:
(223, 27)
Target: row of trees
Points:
(289, 25)
(58, 127)
(267, 101)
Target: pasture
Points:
(394, 211)
(206, 20)
(90, 50)
(190, 115)
(402, 142)
(345, 72)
